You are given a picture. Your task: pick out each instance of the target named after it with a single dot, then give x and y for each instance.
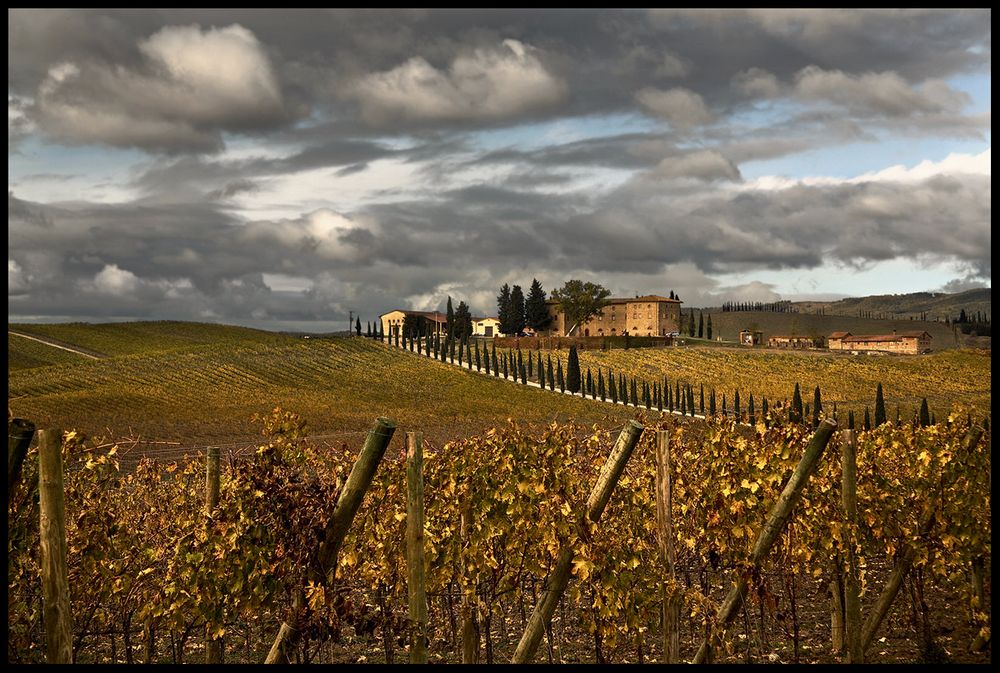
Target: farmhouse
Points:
(750, 337)
(795, 342)
(910, 343)
(485, 327)
(392, 322)
(649, 315)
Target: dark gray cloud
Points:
(233, 106)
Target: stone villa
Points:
(649, 315)
(910, 343)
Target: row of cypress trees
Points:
(677, 398)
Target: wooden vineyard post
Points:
(19, 434)
(336, 530)
(559, 577)
(909, 555)
(853, 653)
(52, 538)
(665, 529)
(469, 610)
(213, 646)
(415, 546)
(776, 522)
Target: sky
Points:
(287, 169)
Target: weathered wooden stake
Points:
(776, 522)
(559, 578)
(336, 530)
(665, 530)
(909, 555)
(213, 646)
(52, 537)
(415, 546)
(19, 434)
(853, 653)
(470, 607)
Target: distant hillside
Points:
(936, 305)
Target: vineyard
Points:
(153, 578)
(209, 391)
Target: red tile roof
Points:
(840, 335)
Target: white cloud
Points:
(757, 82)
(116, 281)
(486, 84)
(683, 108)
(192, 84)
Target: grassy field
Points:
(209, 391)
(946, 378)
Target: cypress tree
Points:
(683, 403)
(701, 324)
(559, 375)
(751, 410)
(531, 361)
(541, 373)
(678, 400)
(690, 395)
(468, 352)
(368, 332)
(635, 397)
(817, 407)
(701, 398)
(479, 363)
(925, 414)
(736, 405)
(524, 374)
(850, 420)
(573, 371)
(486, 360)
(503, 358)
(381, 332)
(450, 317)
(868, 420)
(552, 379)
(520, 360)
(496, 363)
(723, 404)
(691, 323)
(600, 384)
(504, 309)
(612, 389)
(659, 397)
(708, 330)
(795, 412)
(461, 348)
(763, 412)
(711, 403)
(879, 406)
(395, 336)
(451, 350)
(670, 398)
(590, 385)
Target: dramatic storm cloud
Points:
(284, 168)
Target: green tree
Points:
(368, 333)
(551, 376)
(736, 405)
(590, 385)
(701, 324)
(600, 384)
(711, 403)
(559, 376)
(795, 413)
(541, 372)
(573, 371)
(612, 389)
(462, 321)
(750, 411)
(635, 396)
(516, 310)
(536, 312)
(450, 317)
(708, 329)
(504, 309)
(357, 325)
(691, 323)
(879, 406)
(817, 407)
(580, 302)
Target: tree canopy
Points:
(580, 301)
